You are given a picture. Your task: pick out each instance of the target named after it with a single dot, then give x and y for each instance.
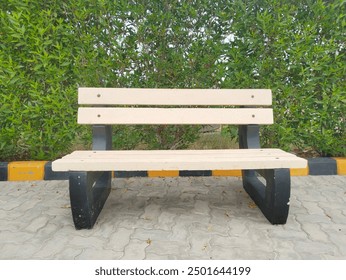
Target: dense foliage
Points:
(49, 48)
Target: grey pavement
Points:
(174, 218)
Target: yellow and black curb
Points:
(42, 170)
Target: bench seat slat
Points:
(175, 116)
(200, 97)
(219, 153)
(176, 160)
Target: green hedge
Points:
(298, 50)
(49, 48)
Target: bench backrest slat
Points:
(179, 97)
(98, 115)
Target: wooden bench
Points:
(91, 171)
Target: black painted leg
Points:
(102, 137)
(249, 136)
(88, 193)
(274, 196)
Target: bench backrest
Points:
(142, 106)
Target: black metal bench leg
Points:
(274, 196)
(88, 193)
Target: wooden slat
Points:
(177, 160)
(202, 97)
(175, 116)
(217, 153)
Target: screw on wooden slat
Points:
(98, 115)
(252, 96)
(99, 95)
(253, 116)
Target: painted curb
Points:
(3, 171)
(341, 165)
(128, 174)
(322, 166)
(49, 174)
(25, 170)
(42, 170)
(194, 173)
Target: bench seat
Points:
(135, 160)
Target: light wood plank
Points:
(201, 97)
(110, 165)
(175, 116)
(204, 154)
(173, 158)
(167, 160)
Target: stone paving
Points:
(174, 218)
